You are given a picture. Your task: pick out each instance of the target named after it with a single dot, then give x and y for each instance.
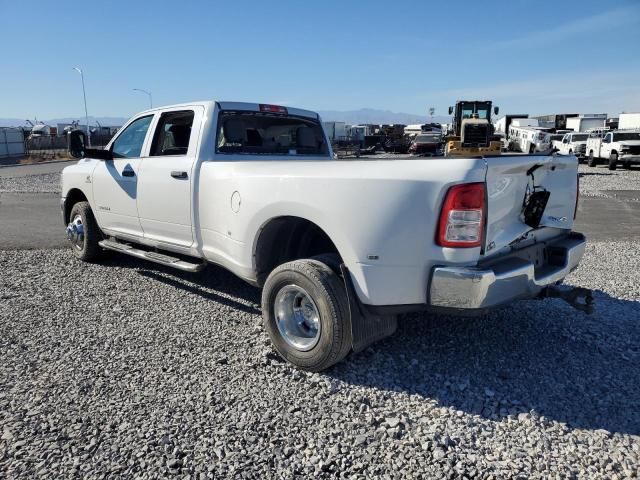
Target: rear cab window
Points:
(268, 133)
(172, 134)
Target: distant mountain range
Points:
(353, 117)
(370, 115)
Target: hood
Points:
(629, 143)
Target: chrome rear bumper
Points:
(504, 280)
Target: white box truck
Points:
(629, 121)
(586, 123)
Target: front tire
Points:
(306, 313)
(613, 161)
(83, 233)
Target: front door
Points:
(115, 182)
(165, 186)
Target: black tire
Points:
(532, 149)
(592, 162)
(90, 250)
(613, 161)
(328, 293)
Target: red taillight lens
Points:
(575, 210)
(462, 216)
(273, 109)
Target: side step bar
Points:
(156, 257)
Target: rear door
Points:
(512, 178)
(166, 177)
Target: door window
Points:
(129, 142)
(172, 134)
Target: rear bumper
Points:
(506, 280)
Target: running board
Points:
(156, 257)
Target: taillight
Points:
(462, 216)
(575, 210)
(273, 109)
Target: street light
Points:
(86, 116)
(148, 93)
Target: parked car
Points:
(426, 144)
(614, 147)
(572, 144)
(339, 247)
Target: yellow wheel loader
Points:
(471, 131)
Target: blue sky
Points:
(534, 57)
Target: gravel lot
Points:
(596, 182)
(126, 369)
(39, 183)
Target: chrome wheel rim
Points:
(297, 317)
(75, 232)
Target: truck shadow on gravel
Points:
(538, 356)
(213, 283)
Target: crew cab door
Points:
(166, 177)
(115, 182)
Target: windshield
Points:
(579, 138)
(481, 110)
(258, 133)
(626, 136)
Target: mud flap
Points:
(366, 328)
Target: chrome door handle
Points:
(179, 175)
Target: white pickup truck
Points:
(614, 147)
(572, 144)
(339, 247)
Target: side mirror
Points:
(98, 154)
(450, 110)
(496, 110)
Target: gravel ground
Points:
(40, 183)
(126, 369)
(596, 182)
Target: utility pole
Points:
(148, 93)
(86, 115)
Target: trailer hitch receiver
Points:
(572, 296)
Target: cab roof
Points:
(227, 105)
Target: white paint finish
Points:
(506, 188)
(115, 196)
(164, 202)
(387, 208)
